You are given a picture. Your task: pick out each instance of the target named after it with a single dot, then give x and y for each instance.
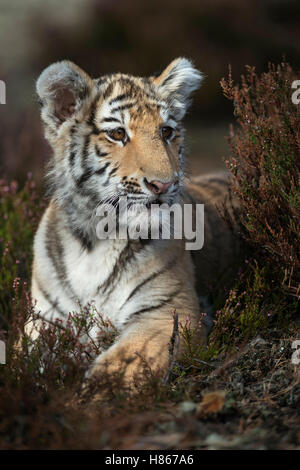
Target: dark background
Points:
(138, 37)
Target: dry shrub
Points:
(43, 403)
(265, 165)
(20, 211)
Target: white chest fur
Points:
(88, 273)
(108, 275)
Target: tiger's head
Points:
(117, 135)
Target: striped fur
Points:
(136, 283)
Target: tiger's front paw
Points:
(124, 371)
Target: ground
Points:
(248, 401)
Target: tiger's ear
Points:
(62, 89)
(176, 83)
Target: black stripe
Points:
(72, 158)
(114, 271)
(84, 177)
(83, 92)
(121, 97)
(96, 131)
(83, 238)
(169, 77)
(101, 81)
(90, 172)
(101, 170)
(131, 248)
(168, 266)
(109, 90)
(72, 150)
(55, 252)
(85, 149)
(111, 119)
(123, 107)
(50, 301)
(113, 171)
(91, 118)
(155, 307)
(99, 153)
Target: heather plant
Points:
(253, 305)
(265, 164)
(20, 210)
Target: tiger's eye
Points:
(117, 134)
(167, 132)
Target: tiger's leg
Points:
(145, 342)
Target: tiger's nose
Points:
(157, 187)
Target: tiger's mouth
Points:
(134, 203)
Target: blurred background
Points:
(138, 37)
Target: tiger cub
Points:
(112, 137)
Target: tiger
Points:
(122, 135)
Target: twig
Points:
(173, 349)
(206, 363)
